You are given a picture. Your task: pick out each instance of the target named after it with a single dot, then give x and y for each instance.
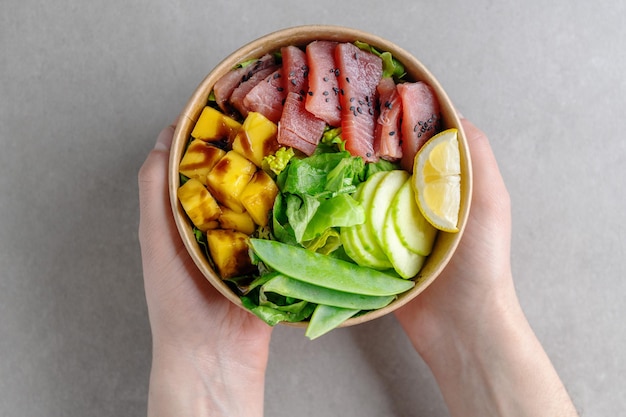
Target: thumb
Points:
(154, 207)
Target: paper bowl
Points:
(445, 244)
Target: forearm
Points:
(498, 368)
(202, 385)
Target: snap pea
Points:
(289, 287)
(326, 271)
(326, 318)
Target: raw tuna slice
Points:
(242, 90)
(420, 119)
(267, 97)
(387, 134)
(298, 128)
(358, 75)
(225, 86)
(295, 69)
(323, 97)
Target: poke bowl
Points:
(296, 177)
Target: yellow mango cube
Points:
(258, 197)
(199, 159)
(241, 222)
(213, 125)
(199, 204)
(257, 138)
(229, 251)
(228, 178)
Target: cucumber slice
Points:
(413, 230)
(406, 263)
(359, 243)
(384, 193)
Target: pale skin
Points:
(210, 357)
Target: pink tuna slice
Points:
(297, 127)
(420, 119)
(242, 90)
(323, 97)
(387, 134)
(267, 97)
(295, 69)
(225, 86)
(359, 73)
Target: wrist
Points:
(493, 364)
(204, 382)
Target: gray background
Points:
(86, 87)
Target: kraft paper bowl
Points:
(445, 244)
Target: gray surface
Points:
(86, 87)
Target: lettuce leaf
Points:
(314, 199)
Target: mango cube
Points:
(199, 159)
(229, 251)
(213, 125)
(199, 204)
(257, 138)
(228, 178)
(241, 222)
(258, 197)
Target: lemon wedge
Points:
(437, 180)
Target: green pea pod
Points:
(290, 287)
(326, 318)
(325, 271)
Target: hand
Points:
(208, 354)
(478, 278)
(469, 326)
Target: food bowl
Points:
(445, 243)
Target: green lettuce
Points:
(314, 199)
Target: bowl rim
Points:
(301, 35)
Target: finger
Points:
(489, 187)
(154, 207)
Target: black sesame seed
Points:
(310, 93)
(352, 99)
(279, 88)
(325, 93)
(359, 110)
(337, 72)
(392, 133)
(325, 78)
(326, 100)
(348, 80)
(368, 154)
